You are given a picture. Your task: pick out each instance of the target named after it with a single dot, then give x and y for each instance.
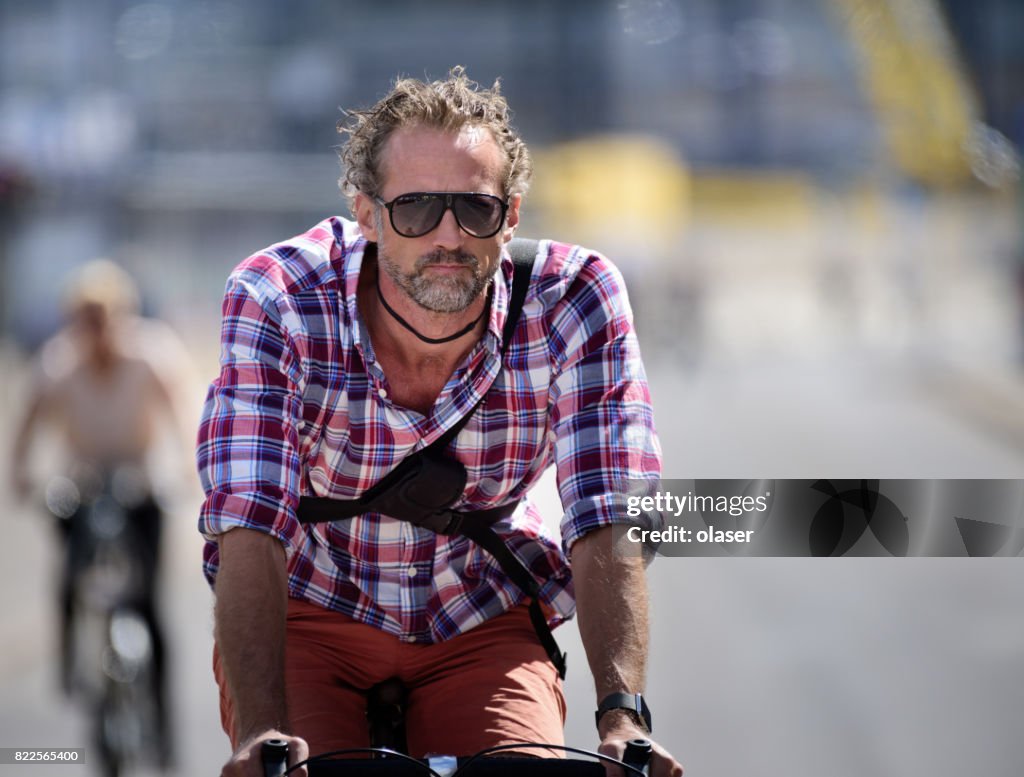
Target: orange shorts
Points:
(493, 685)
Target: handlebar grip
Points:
(638, 754)
(274, 754)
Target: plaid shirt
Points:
(301, 407)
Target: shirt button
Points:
(382, 393)
(411, 638)
(412, 571)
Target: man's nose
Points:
(448, 233)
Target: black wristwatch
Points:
(631, 702)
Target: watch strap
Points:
(631, 702)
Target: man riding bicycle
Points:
(109, 406)
(347, 349)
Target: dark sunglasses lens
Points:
(415, 216)
(479, 214)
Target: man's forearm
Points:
(611, 604)
(252, 600)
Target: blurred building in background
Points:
(777, 178)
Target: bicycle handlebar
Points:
(274, 754)
(638, 755)
(635, 760)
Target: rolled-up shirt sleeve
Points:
(248, 441)
(604, 437)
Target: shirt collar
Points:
(351, 246)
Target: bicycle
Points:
(391, 763)
(112, 649)
(389, 757)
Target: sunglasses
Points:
(417, 213)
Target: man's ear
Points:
(365, 210)
(512, 217)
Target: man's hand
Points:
(616, 729)
(247, 760)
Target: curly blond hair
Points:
(447, 105)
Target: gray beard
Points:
(444, 294)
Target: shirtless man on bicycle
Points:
(108, 405)
(353, 345)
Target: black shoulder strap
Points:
(483, 535)
(523, 252)
(477, 525)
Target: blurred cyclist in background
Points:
(102, 399)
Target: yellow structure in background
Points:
(764, 198)
(910, 73)
(605, 190)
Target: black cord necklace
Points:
(429, 340)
